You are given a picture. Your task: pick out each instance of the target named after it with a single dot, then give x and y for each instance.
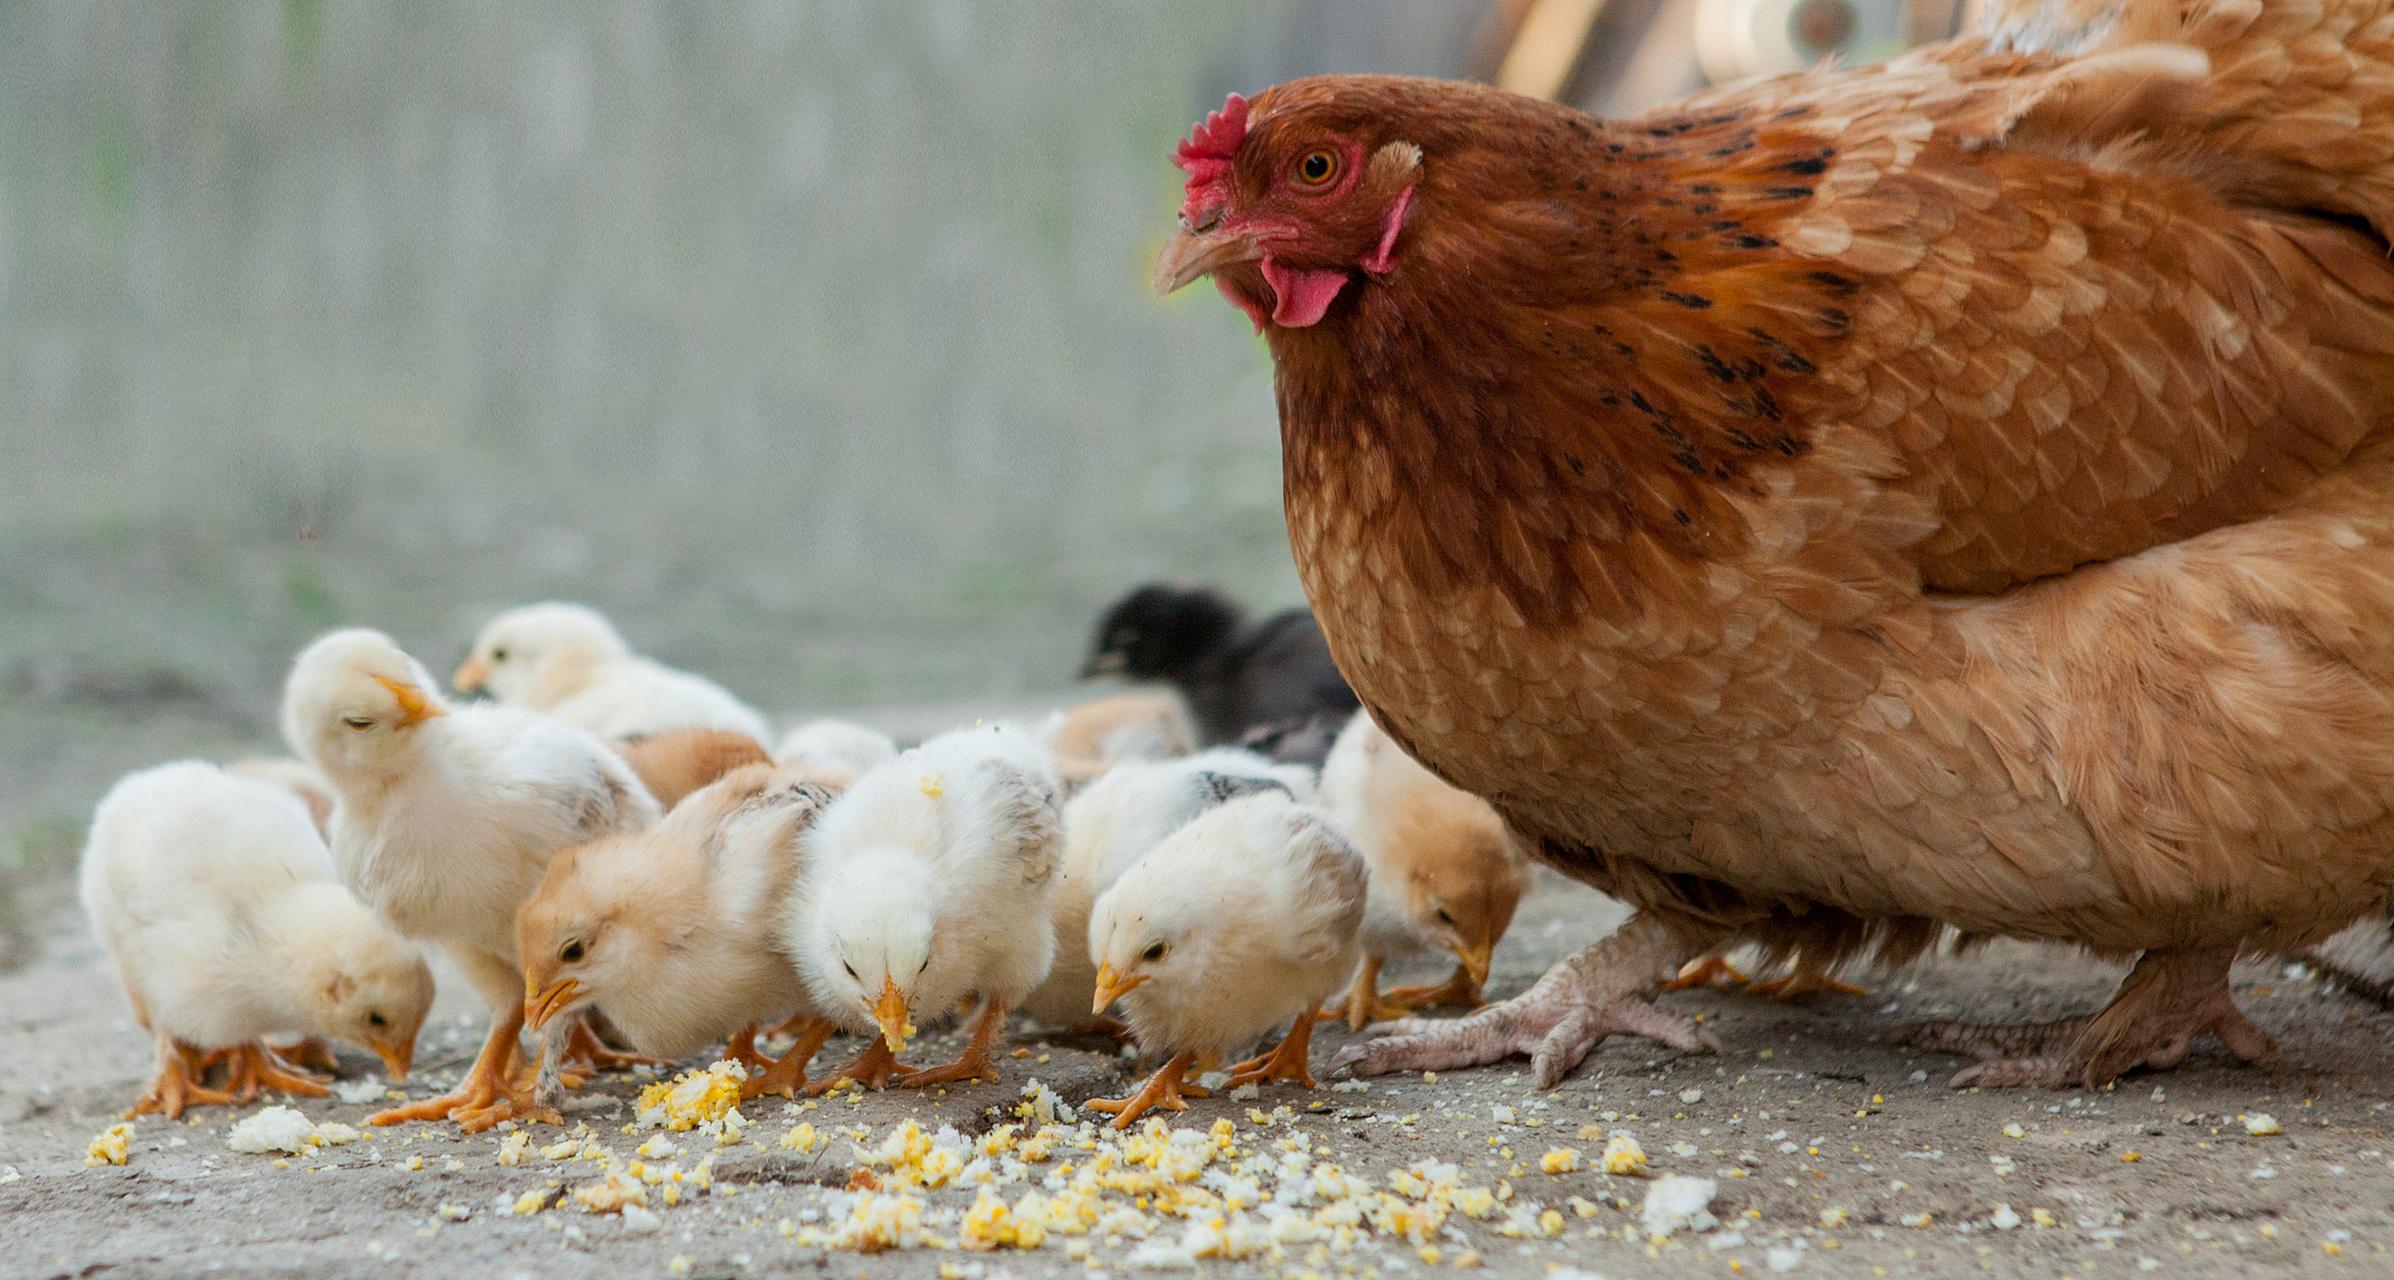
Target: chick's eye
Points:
(498, 655)
(849, 967)
(358, 722)
(571, 953)
(1317, 167)
(1443, 917)
(378, 1020)
(1153, 952)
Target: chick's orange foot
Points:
(585, 1050)
(253, 1068)
(1457, 990)
(1164, 1089)
(2167, 1000)
(872, 1069)
(1605, 989)
(178, 1083)
(1706, 971)
(1287, 1060)
(1806, 978)
(973, 1063)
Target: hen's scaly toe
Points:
(1995, 1041)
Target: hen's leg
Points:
(1710, 970)
(872, 1069)
(177, 1082)
(1603, 990)
(973, 1063)
(1364, 1005)
(787, 1074)
(1163, 1089)
(1808, 976)
(2167, 1000)
(1287, 1060)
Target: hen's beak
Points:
(470, 675)
(1110, 987)
(540, 1006)
(397, 1056)
(414, 707)
(890, 1012)
(1190, 253)
(1475, 961)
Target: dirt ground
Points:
(1809, 1113)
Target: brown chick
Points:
(1100, 734)
(1445, 874)
(1845, 505)
(676, 762)
(670, 931)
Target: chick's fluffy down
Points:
(1255, 907)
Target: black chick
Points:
(1234, 679)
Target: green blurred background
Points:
(810, 341)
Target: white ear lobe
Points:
(1392, 165)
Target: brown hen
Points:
(1950, 492)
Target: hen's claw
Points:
(2167, 1000)
(1602, 990)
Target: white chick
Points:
(218, 901)
(568, 661)
(446, 822)
(1113, 823)
(835, 744)
(1446, 873)
(1245, 916)
(1097, 735)
(926, 882)
(671, 931)
(296, 776)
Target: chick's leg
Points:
(872, 1069)
(787, 1074)
(584, 1050)
(489, 1092)
(311, 1054)
(255, 1068)
(2166, 1001)
(1163, 1089)
(973, 1063)
(1363, 1004)
(1459, 990)
(177, 1082)
(1286, 1061)
(1808, 976)
(1709, 970)
(1605, 989)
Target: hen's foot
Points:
(489, 1089)
(1363, 1005)
(973, 1063)
(1456, 990)
(1286, 1061)
(1806, 978)
(2167, 1000)
(786, 1075)
(1164, 1089)
(872, 1069)
(1601, 991)
(253, 1068)
(1712, 970)
(177, 1083)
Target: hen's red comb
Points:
(1206, 153)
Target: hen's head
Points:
(1290, 196)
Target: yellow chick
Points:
(677, 762)
(1112, 824)
(1446, 874)
(670, 931)
(446, 822)
(1097, 735)
(1247, 915)
(568, 661)
(218, 901)
(926, 882)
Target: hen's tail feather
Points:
(2298, 95)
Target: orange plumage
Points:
(1951, 492)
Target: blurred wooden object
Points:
(1546, 46)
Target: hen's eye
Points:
(1155, 952)
(1318, 166)
(572, 953)
(358, 722)
(498, 655)
(378, 1020)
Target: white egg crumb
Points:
(2004, 1219)
(2262, 1125)
(1674, 1202)
(271, 1129)
(1691, 1095)
(456, 1212)
(639, 1221)
(332, 1133)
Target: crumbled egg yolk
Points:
(109, 1147)
(1623, 1157)
(695, 1098)
(1560, 1160)
(511, 1151)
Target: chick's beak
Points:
(414, 707)
(1193, 252)
(1110, 986)
(397, 1056)
(890, 1011)
(470, 675)
(1475, 961)
(543, 1004)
